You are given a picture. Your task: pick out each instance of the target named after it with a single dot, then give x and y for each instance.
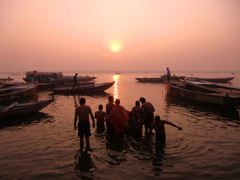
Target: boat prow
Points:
(19, 109)
(202, 94)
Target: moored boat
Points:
(151, 79)
(202, 94)
(17, 92)
(161, 79)
(20, 109)
(85, 89)
(79, 78)
(218, 86)
(44, 86)
(42, 77)
(57, 77)
(173, 78)
(216, 80)
(6, 79)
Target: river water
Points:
(46, 146)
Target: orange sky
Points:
(114, 35)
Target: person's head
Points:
(167, 68)
(100, 107)
(110, 99)
(82, 100)
(117, 101)
(142, 100)
(137, 103)
(157, 119)
(76, 74)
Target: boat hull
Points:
(218, 86)
(150, 80)
(94, 88)
(215, 80)
(207, 96)
(23, 110)
(58, 77)
(18, 92)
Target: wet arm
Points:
(174, 125)
(91, 114)
(75, 119)
(153, 108)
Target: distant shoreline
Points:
(88, 72)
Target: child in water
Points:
(159, 128)
(100, 116)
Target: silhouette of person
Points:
(168, 74)
(148, 111)
(75, 80)
(159, 128)
(82, 113)
(118, 117)
(136, 120)
(100, 115)
(109, 106)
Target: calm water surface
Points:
(45, 145)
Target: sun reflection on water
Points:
(115, 91)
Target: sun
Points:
(115, 47)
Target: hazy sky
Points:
(119, 35)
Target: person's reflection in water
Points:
(157, 155)
(157, 161)
(75, 99)
(115, 142)
(84, 165)
(116, 147)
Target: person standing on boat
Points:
(82, 113)
(148, 111)
(109, 106)
(168, 74)
(75, 80)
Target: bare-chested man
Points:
(82, 113)
(148, 111)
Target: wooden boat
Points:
(20, 109)
(44, 86)
(18, 92)
(2, 84)
(151, 79)
(9, 84)
(202, 94)
(173, 78)
(218, 86)
(93, 88)
(160, 79)
(42, 77)
(79, 78)
(57, 77)
(6, 79)
(216, 80)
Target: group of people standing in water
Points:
(118, 120)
